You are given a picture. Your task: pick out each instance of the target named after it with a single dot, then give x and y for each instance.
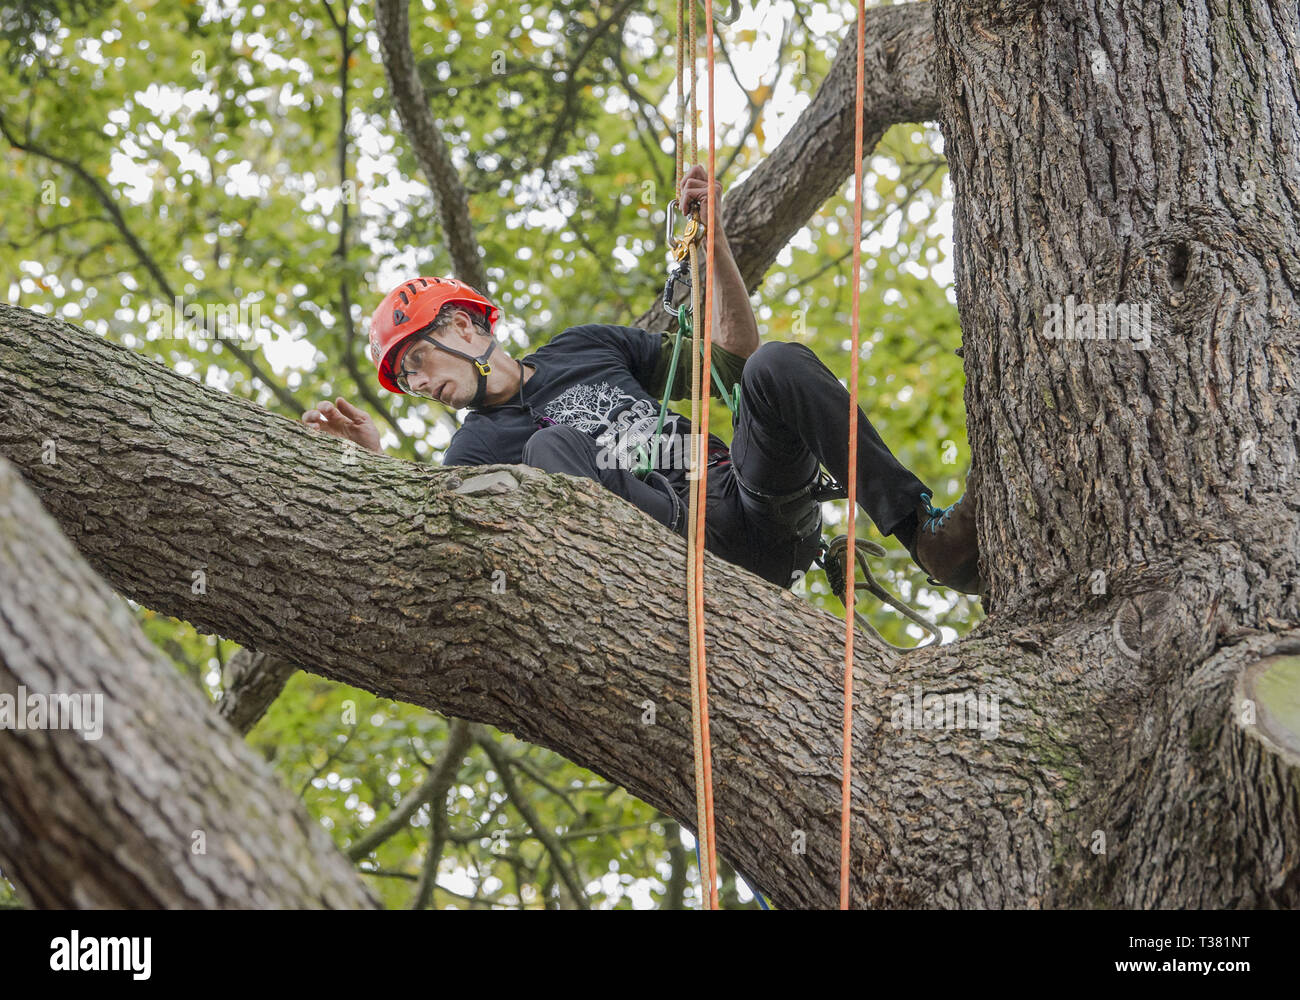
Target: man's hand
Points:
(735, 329)
(344, 421)
(694, 193)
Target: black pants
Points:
(793, 417)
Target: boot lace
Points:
(935, 516)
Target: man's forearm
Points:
(734, 326)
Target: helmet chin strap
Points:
(481, 366)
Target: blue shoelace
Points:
(935, 516)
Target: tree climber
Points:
(585, 402)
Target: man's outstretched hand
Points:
(344, 421)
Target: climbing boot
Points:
(945, 545)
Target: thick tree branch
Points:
(165, 806)
(248, 506)
(384, 574)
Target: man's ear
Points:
(465, 328)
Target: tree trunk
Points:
(1146, 156)
(159, 803)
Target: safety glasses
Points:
(419, 353)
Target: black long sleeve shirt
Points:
(605, 380)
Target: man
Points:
(587, 403)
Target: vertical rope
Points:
(691, 48)
(681, 97)
(849, 559)
(695, 603)
(702, 436)
(702, 754)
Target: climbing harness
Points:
(800, 510)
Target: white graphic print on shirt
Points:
(588, 407)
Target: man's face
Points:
(423, 370)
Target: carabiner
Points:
(694, 230)
(671, 221)
(681, 273)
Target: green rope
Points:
(730, 397)
(644, 457)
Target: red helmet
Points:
(409, 310)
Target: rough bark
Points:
(250, 682)
(1153, 160)
(381, 573)
(166, 806)
(1142, 154)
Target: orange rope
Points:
(701, 746)
(850, 564)
(702, 437)
(695, 602)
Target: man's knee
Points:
(775, 360)
(553, 448)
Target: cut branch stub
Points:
(1268, 704)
